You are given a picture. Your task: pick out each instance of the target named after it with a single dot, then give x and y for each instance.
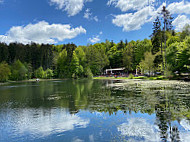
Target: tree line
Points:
(166, 51)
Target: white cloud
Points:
(88, 15)
(44, 125)
(41, 32)
(126, 5)
(134, 21)
(185, 124)
(180, 22)
(139, 128)
(95, 18)
(91, 138)
(185, 135)
(1, 1)
(96, 38)
(179, 7)
(77, 140)
(72, 7)
(145, 12)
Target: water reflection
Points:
(87, 110)
(138, 129)
(40, 122)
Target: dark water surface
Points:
(95, 111)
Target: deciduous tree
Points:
(5, 72)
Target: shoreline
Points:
(101, 78)
(30, 80)
(142, 78)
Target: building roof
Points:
(116, 69)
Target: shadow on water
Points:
(77, 101)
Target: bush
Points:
(39, 73)
(48, 74)
(131, 76)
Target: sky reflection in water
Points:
(95, 111)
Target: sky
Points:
(84, 21)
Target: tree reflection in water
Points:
(170, 104)
(168, 100)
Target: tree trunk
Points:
(162, 58)
(165, 49)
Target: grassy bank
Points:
(139, 77)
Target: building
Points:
(118, 71)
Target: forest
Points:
(166, 51)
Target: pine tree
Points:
(160, 27)
(156, 36)
(156, 39)
(167, 21)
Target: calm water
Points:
(95, 111)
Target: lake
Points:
(95, 111)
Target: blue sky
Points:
(84, 21)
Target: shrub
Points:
(131, 76)
(48, 74)
(39, 73)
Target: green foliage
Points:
(39, 73)
(156, 36)
(128, 58)
(162, 31)
(185, 32)
(172, 39)
(131, 76)
(74, 68)
(168, 73)
(67, 67)
(19, 71)
(80, 71)
(29, 68)
(121, 45)
(148, 63)
(58, 48)
(96, 58)
(68, 60)
(141, 48)
(5, 72)
(178, 56)
(4, 52)
(88, 73)
(62, 64)
(69, 48)
(184, 56)
(81, 55)
(115, 57)
(171, 56)
(48, 74)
